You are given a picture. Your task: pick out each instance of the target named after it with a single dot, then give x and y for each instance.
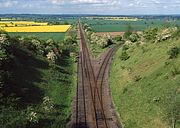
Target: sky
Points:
(112, 7)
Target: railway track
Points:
(89, 110)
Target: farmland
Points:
(101, 25)
(40, 30)
(56, 36)
(21, 23)
(53, 28)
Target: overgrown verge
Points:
(99, 44)
(36, 81)
(145, 79)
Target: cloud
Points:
(85, 2)
(8, 3)
(56, 1)
(90, 6)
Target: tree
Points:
(133, 37)
(128, 32)
(173, 52)
(150, 34)
(66, 23)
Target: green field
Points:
(145, 87)
(43, 36)
(121, 26)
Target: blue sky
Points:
(121, 7)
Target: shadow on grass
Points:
(25, 74)
(63, 60)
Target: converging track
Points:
(93, 107)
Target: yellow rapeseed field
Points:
(50, 28)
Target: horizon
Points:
(175, 14)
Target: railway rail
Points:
(89, 110)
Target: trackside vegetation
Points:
(145, 79)
(37, 81)
(99, 44)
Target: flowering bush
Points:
(47, 104)
(51, 56)
(31, 115)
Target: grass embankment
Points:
(145, 88)
(37, 82)
(40, 85)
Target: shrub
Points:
(133, 37)
(137, 78)
(125, 89)
(124, 56)
(117, 38)
(173, 52)
(175, 71)
(150, 34)
(125, 47)
(109, 42)
(3, 56)
(177, 32)
(128, 31)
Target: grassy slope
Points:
(44, 36)
(35, 80)
(59, 86)
(136, 100)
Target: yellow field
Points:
(52, 28)
(21, 23)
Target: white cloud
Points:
(90, 6)
(88, 2)
(8, 3)
(56, 1)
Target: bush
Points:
(150, 34)
(124, 56)
(173, 52)
(176, 33)
(137, 78)
(174, 71)
(133, 37)
(109, 42)
(128, 31)
(125, 47)
(117, 38)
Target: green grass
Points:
(59, 85)
(121, 26)
(96, 51)
(43, 36)
(33, 79)
(144, 87)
